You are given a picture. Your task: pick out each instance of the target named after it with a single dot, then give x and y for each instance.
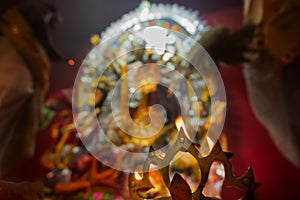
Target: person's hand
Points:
(229, 48)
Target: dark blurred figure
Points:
(25, 50)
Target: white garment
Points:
(276, 104)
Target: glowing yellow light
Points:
(180, 124)
(95, 39)
(137, 176)
(210, 142)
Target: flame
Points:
(210, 143)
(180, 124)
(137, 176)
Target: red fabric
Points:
(32, 168)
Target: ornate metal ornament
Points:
(140, 183)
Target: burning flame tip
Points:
(179, 122)
(137, 176)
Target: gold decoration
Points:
(61, 164)
(139, 182)
(95, 39)
(141, 116)
(66, 130)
